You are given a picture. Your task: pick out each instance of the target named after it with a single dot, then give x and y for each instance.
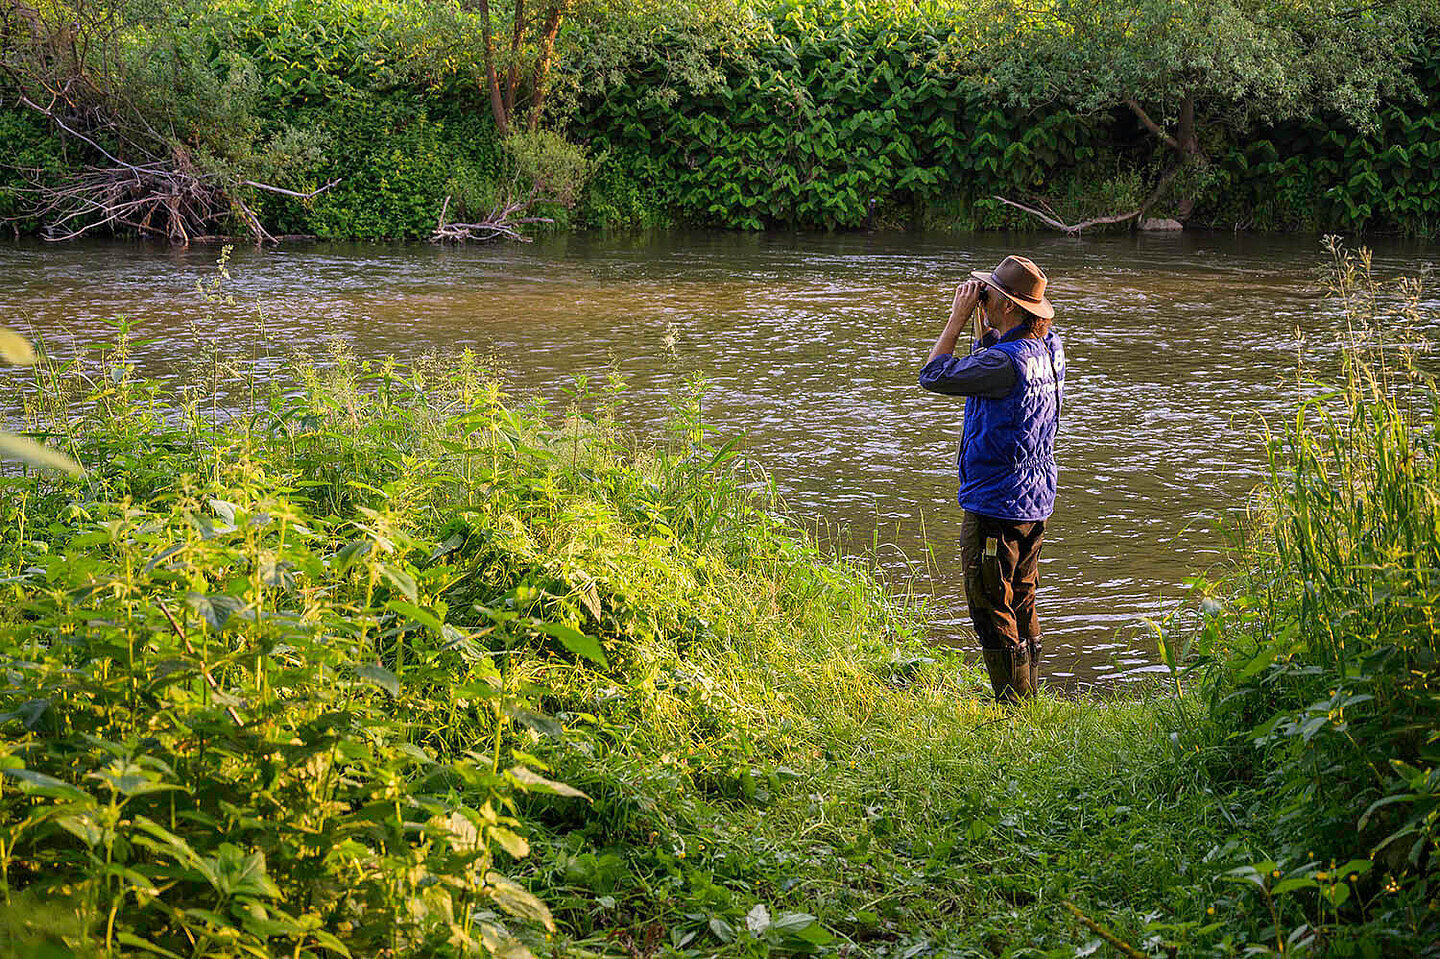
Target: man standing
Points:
(1013, 380)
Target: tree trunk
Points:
(1188, 138)
(497, 103)
(542, 60)
(1185, 142)
(515, 41)
(1189, 142)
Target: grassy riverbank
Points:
(391, 660)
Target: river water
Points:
(1177, 347)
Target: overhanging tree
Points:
(1189, 68)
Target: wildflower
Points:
(1210, 910)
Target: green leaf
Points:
(535, 783)
(419, 614)
(129, 779)
(516, 845)
(40, 784)
(241, 874)
(84, 827)
(328, 941)
(130, 939)
(577, 642)
(517, 900)
(542, 724)
(722, 929)
(216, 608)
(379, 676)
(1290, 885)
(400, 579)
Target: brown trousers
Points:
(1002, 568)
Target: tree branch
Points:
(514, 78)
(284, 192)
(1151, 125)
(542, 60)
(1072, 229)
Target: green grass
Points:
(393, 663)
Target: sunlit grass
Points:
(365, 639)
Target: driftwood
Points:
(1074, 229)
(1071, 229)
(501, 222)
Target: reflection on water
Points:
(811, 344)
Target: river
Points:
(1177, 347)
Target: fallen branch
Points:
(502, 222)
(164, 195)
(1072, 229)
(284, 192)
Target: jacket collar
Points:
(1020, 332)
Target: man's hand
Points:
(967, 297)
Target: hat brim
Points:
(1040, 308)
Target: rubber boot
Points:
(1032, 646)
(997, 664)
(1022, 672)
(1009, 671)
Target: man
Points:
(1013, 381)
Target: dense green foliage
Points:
(833, 115)
(920, 112)
(840, 110)
(388, 660)
(1321, 175)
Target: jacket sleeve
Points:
(988, 373)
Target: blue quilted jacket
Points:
(1007, 455)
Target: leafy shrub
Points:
(395, 163)
(35, 147)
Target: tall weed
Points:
(1329, 649)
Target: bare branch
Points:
(502, 221)
(284, 192)
(1072, 229)
(74, 133)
